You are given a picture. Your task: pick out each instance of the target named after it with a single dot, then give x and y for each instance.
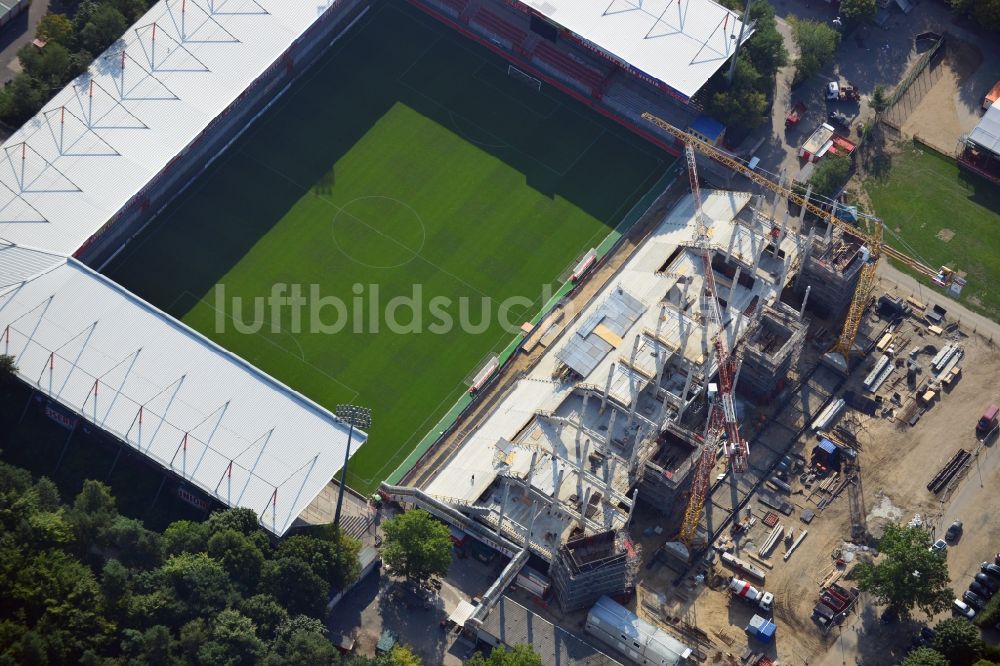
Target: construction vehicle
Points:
(742, 589)
(868, 231)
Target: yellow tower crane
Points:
(871, 235)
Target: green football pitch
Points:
(408, 162)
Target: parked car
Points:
(980, 590)
(962, 609)
(974, 600)
(990, 569)
(839, 118)
(938, 546)
(989, 582)
(954, 531)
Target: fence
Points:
(900, 103)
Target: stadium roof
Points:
(987, 132)
(681, 43)
(100, 140)
(176, 397)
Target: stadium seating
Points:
(498, 28)
(451, 7)
(567, 68)
(631, 98)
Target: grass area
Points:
(406, 162)
(946, 216)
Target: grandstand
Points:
(150, 115)
(622, 57)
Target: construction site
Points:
(684, 422)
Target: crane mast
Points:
(722, 408)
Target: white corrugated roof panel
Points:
(176, 397)
(101, 139)
(987, 132)
(681, 43)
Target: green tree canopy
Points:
(857, 11)
(301, 640)
(958, 640)
(519, 655)
(56, 28)
(817, 44)
(924, 656)
(239, 556)
(335, 561)
(292, 582)
(417, 546)
(908, 575)
(184, 536)
(831, 175)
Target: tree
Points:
(958, 640)
(909, 575)
(857, 11)
(114, 586)
(301, 640)
(265, 612)
(402, 655)
(56, 28)
(293, 583)
(879, 101)
(103, 26)
(233, 641)
(831, 175)
(19, 101)
(153, 647)
(417, 546)
(335, 561)
(238, 556)
(924, 656)
(519, 655)
(766, 47)
(241, 519)
(197, 584)
(986, 12)
(92, 514)
(137, 547)
(184, 536)
(817, 44)
(8, 368)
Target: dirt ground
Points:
(896, 461)
(949, 106)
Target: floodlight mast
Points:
(355, 417)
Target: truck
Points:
(835, 92)
(743, 590)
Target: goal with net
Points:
(524, 77)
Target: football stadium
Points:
(232, 151)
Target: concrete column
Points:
(781, 278)
(639, 433)
(781, 235)
(583, 507)
(729, 248)
(805, 299)
(631, 509)
(661, 364)
(732, 288)
(559, 480)
(757, 252)
(659, 321)
(503, 508)
(633, 392)
(684, 394)
(611, 426)
(531, 524)
(583, 409)
(607, 387)
(802, 212)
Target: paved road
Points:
(932, 295)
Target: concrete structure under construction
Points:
(830, 271)
(614, 408)
(586, 568)
(771, 351)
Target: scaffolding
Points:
(772, 350)
(587, 568)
